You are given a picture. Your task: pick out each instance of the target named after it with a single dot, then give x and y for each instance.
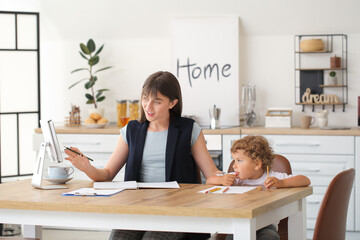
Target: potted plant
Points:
(332, 79)
(89, 53)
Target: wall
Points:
(137, 42)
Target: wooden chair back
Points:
(331, 220)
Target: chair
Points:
(331, 220)
(280, 164)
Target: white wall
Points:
(137, 42)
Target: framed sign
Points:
(205, 59)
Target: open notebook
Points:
(134, 185)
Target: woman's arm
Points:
(112, 167)
(206, 164)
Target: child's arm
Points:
(226, 180)
(296, 181)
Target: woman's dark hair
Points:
(167, 84)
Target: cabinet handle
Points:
(306, 170)
(313, 202)
(80, 143)
(298, 144)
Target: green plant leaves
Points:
(91, 82)
(84, 49)
(87, 52)
(94, 60)
(91, 45)
(79, 69)
(100, 49)
(89, 96)
(83, 55)
(78, 82)
(100, 99)
(102, 69)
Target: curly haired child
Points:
(252, 155)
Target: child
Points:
(252, 155)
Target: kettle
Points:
(214, 113)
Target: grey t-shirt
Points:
(153, 162)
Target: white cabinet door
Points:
(213, 142)
(228, 140)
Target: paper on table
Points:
(92, 192)
(134, 185)
(116, 185)
(172, 184)
(232, 189)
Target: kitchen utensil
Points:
(214, 117)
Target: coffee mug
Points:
(59, 172)
(306, 121)
(322, 122)
(322, 114)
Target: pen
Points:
(225, 189)
(224, 173)
(77, 153)
(267, 170)
(213, 190)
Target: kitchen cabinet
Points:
(313, 67)
(228, 141)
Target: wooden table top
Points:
(112, 129)
(185, 201)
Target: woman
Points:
(162, 146)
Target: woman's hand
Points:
(273, 182)
(79, 161)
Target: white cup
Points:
(322, 114)
(59, 172)
(322, 122)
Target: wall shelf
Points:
(312, 70)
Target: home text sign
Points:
(205, 59)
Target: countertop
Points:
(113, 129)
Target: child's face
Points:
(245, 166)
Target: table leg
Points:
(32, 231)
(244, 229)
(297, 222)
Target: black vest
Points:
(179, 163)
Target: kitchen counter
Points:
(113, 129)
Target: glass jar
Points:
(134, 110)
(122, 113)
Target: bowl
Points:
(312, 45)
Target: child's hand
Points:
(273, 182)
(228, 179)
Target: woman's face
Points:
(157, 107)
